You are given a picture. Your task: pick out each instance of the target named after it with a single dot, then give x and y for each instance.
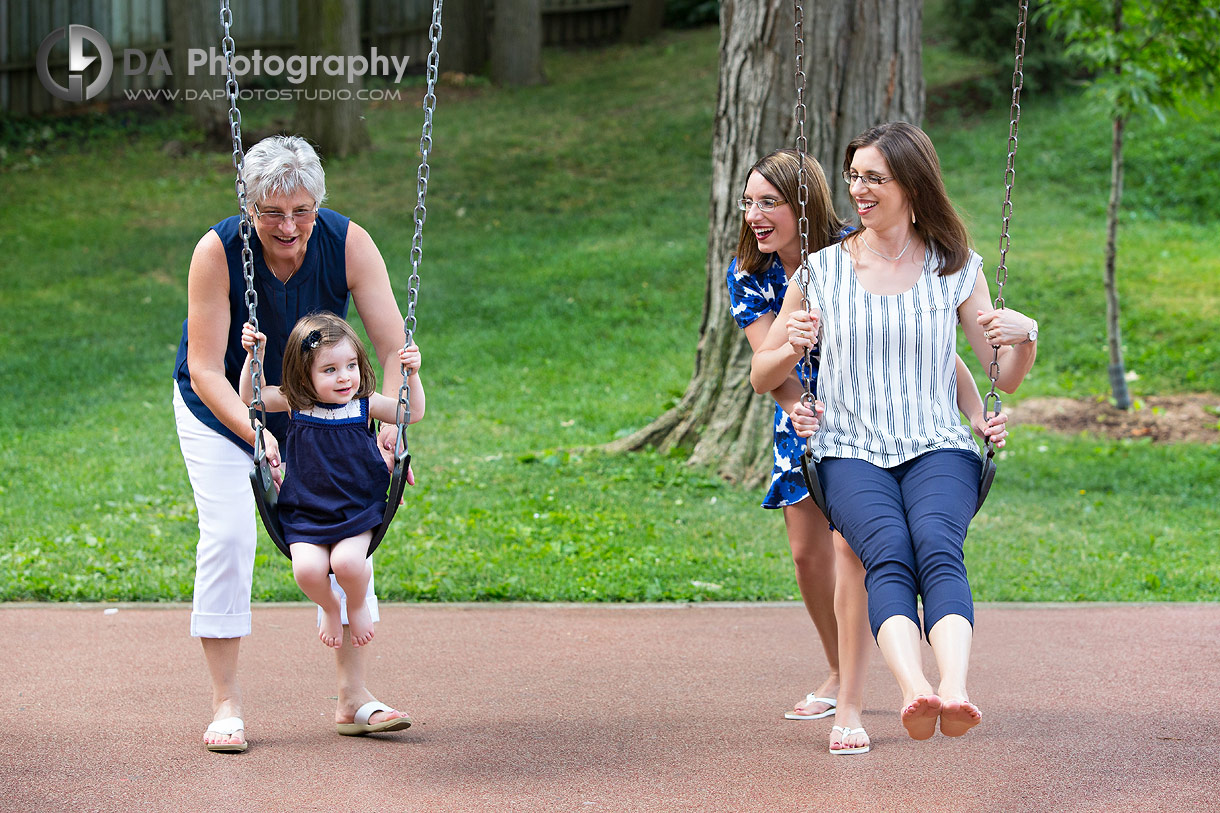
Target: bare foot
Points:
(958, 716)
(360, 623)
(920, 715)
(330, 631)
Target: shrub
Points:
(691, 13)
(986, 30)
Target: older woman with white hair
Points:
(306, 258)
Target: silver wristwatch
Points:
(1033, 333)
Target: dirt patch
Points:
(1169, 419)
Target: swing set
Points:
(265, 492)
(261, 480)
(991, 402)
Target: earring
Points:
(912, 217)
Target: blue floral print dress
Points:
(752, 296)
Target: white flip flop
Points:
(847, 732)
(813, 698)
(226, 727)
(362, 726)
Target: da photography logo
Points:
(78, 61)
(293, 68)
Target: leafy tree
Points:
(1145, 57)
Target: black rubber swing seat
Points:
(266, 498)
(986, 477)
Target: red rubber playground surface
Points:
(605, 708)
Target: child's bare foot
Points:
(330, 631)
(360, 623)
(920, 715)
(958, 716)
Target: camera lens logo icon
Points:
(76, 91)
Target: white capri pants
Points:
(219, 472)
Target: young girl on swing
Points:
(334, 494)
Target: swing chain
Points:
(1001, 274)
(403, 413)
(805, 366)
(258, 411)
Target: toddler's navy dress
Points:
(336, 480)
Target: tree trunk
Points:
(516, 43)
(197, 25)
(1114, 335)
(864, 61)
(863, 66)
(465, 38)
(644, 20)
(331, 114)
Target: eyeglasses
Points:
(301, 217)
(868, 179)
(764, 205)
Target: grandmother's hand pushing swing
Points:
(248, 338)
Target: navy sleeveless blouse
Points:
(320, 284)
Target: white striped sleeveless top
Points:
(888, 373)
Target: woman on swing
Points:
(828, 575)
(900, 472)
(306, 259)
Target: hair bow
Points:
(311, 341)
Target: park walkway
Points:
(605, 708)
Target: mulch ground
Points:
(606, 708)
(1192, 418)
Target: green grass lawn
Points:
(560, 304)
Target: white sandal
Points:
(361, 725)
(226, 727)
(848, 732)
(813, 698)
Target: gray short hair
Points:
(281, 165)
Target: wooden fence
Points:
(392, 26)
(582, 22)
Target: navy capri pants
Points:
(908, 525)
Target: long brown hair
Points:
(782, 169)
(297, 377)
(915, 166)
